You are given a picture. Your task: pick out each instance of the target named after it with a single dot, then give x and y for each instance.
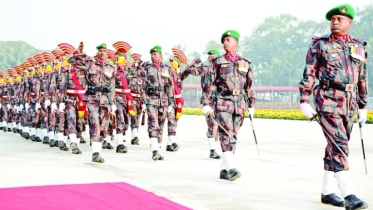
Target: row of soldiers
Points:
(55, 95)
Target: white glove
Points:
(53, 107)
(8, 106)
(363, 113)
(16, 109)
(143, 107)
(0, 106)
(47, 103)
(61, 107)
(113, 108)
(251, 112)
(27, 106)
(21, 107)
(37, 106)
(169, 109)
(207, 110)
(307, 110)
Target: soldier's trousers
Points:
(136, 107)
(80, 126)
(4, 112)
(336, 128)
(52, 119)
(231, 123)
(156, 117)
(212, 128)
(98, 120)
(171, 124)
(70, 117)
(32, 117)
(43, 117)
(121, 114)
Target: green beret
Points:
(213, 52)
(156, 49)
(344, 9)
(230, 33)
(101, 46)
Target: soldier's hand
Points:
(143, 107)
(307, 110)
(53, 107)
(251, 112)
(37, 106)
(362, 116)
(8, 106)
(207, 110)
(169, 109)
(61, 107)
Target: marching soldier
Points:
(338, 61)
(231, 77)
(158, 95)
(201, 71)
(99, 96)
(5, 105)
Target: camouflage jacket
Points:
(331, 61)
(120, 91)
(232, 83)
(35, 88)
(159, 81)
(66, 83)
(96, 76)
(53, 86)
(44, 87)
(13, 90)
(26, 86)
(4, 92)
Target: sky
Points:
(145, 23)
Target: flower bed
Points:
(285, 114)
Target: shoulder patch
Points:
(362, 41)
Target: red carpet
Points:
(104, 196)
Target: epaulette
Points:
(362, 41)
(317, 38)
(246, 59)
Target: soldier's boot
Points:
(121, 148)
(233, 174)
(171, 141)
(348, 191)
(51, 138)
(135, 141)
(97, 158)
(56, 143)
(15, 130)
(44, 135)
(157, 156)
(327, 195)
(9, 129)
(62, 146)
(214, 154)
(46, 140)
(26, 135)
(82, 141)
(155, 146)
(169, 148)
(353, 202)
(224, 174)
(75, 149)
(107, 145)
(229, 161)
(37, 139)
(2, 127)
(33, 138)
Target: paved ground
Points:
(287, 175)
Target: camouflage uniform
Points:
(135, 84)
(4, 92)
(341, 74)
(13, 88)
(157, 95)
(231, 78)
(212, 127)
(59, 139)
(44, 95)
(69, 96)
(52, 92)
(99, 76)
(34, 117)
(26, 111)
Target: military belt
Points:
(339, 86)
(117, 90)
(231, 92)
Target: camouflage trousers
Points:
(156, 118)
(212, 128)
(32, 118)
(52, 119)
(4, 112)
(120, 115)
(98, 121)
(24, 115)
(232, 123)
(135, 120)
(12, 115)
(171, 124)
(42, 117)
(336, 128)
(81, 122)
